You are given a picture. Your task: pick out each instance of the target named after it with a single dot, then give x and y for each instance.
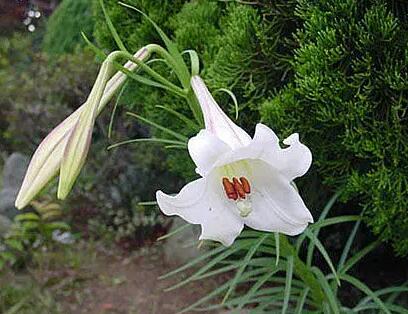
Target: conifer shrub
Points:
(64, 27)
(348, 100)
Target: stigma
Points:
(239, 191)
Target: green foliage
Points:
(134, 30)
(40, 92)
(266, 283)
(26, 298)
(348, 101)
(65, 25)
(30, 231)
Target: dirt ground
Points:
(118, 284)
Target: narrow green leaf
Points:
(330, 296)
(324, 253)
(288, 283)
(347, 247)
(357, 257)
(277, 247)
(394, 291)
(194, 61)
(149, 203)
(163, 84)
(373, 306)
(170, 234)
(179, 66)
(99, 52)
(194, 262)
(190, 123)
(219, 290)
(254, 289)
(302, 301)
(244, 264)
(160, 127)
(234, 99)
(334, 221)
(114, 109)
(206, 267)
(217, 271)
(112, 28)
(364, 288)
(322, 217)
(148, 140)
(175, 147)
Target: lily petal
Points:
(216, 121)
(205, 148)
(77, 147)
(196, 205)
(292, 162)
(277, 206)
(191, 203)
(45, 162)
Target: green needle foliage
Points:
(348, 99)
(65, 25)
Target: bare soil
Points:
(118, 284)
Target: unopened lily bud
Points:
(47, 159)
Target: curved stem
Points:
(185, 82)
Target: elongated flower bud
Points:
(47, 158)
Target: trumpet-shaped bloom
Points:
(65, 147)
(244, 180)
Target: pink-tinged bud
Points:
(71, 139)
(216, 121)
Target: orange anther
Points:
(245, 185)
(229, 189)
(238, 188)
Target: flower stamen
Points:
(229, 189)
(238, 188)
(238, 191)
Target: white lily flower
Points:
(244, 180)
(47, 159)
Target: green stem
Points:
(154, 74)
(302, 271)
(191, 99)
